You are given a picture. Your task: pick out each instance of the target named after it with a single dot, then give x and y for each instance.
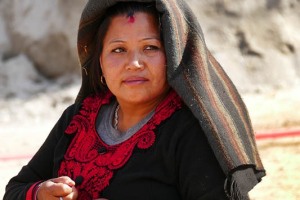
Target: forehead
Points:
(143, 17)
(139, 22)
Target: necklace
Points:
(116, 117)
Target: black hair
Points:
(124, 8)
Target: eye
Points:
(118, 50)
(151, 47)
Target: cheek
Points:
(160, 67)
(160, 74)
(110, 61)
(105, 65)
(164, 76)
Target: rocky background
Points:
(257, 43)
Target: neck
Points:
(129, 114)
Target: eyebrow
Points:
(151, 38)
(144, 39)
(116, 41)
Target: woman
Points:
(156, 116)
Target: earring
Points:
(102, 80)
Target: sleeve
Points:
(200, 176)
(40, 167)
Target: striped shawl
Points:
(202, 84)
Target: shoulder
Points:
(64, 120)
(187, 149)
(72, 109)
(89, 103)
(182, 133)
(182, 129)
(182, 119)
(185, 113)
(69, 112)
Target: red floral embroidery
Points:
(91, 162)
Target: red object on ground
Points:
(278, 134)
(15, 157)
(258, 136)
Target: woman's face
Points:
(133, 59)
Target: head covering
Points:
(200, 81)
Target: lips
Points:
(135, 80)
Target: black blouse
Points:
(178, 165)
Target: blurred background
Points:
(257, 43)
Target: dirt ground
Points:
(282, 162)
(276, 111)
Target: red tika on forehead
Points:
(131, 19)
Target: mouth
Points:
(135, 80)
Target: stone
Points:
(46, 32)
(257, 42)
(19, 78)
(5, 45)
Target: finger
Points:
(73, 195)
(56, 189)
(64, 179)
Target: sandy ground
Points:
(23, 131)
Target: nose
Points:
(135, 61)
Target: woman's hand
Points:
(58, 187)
